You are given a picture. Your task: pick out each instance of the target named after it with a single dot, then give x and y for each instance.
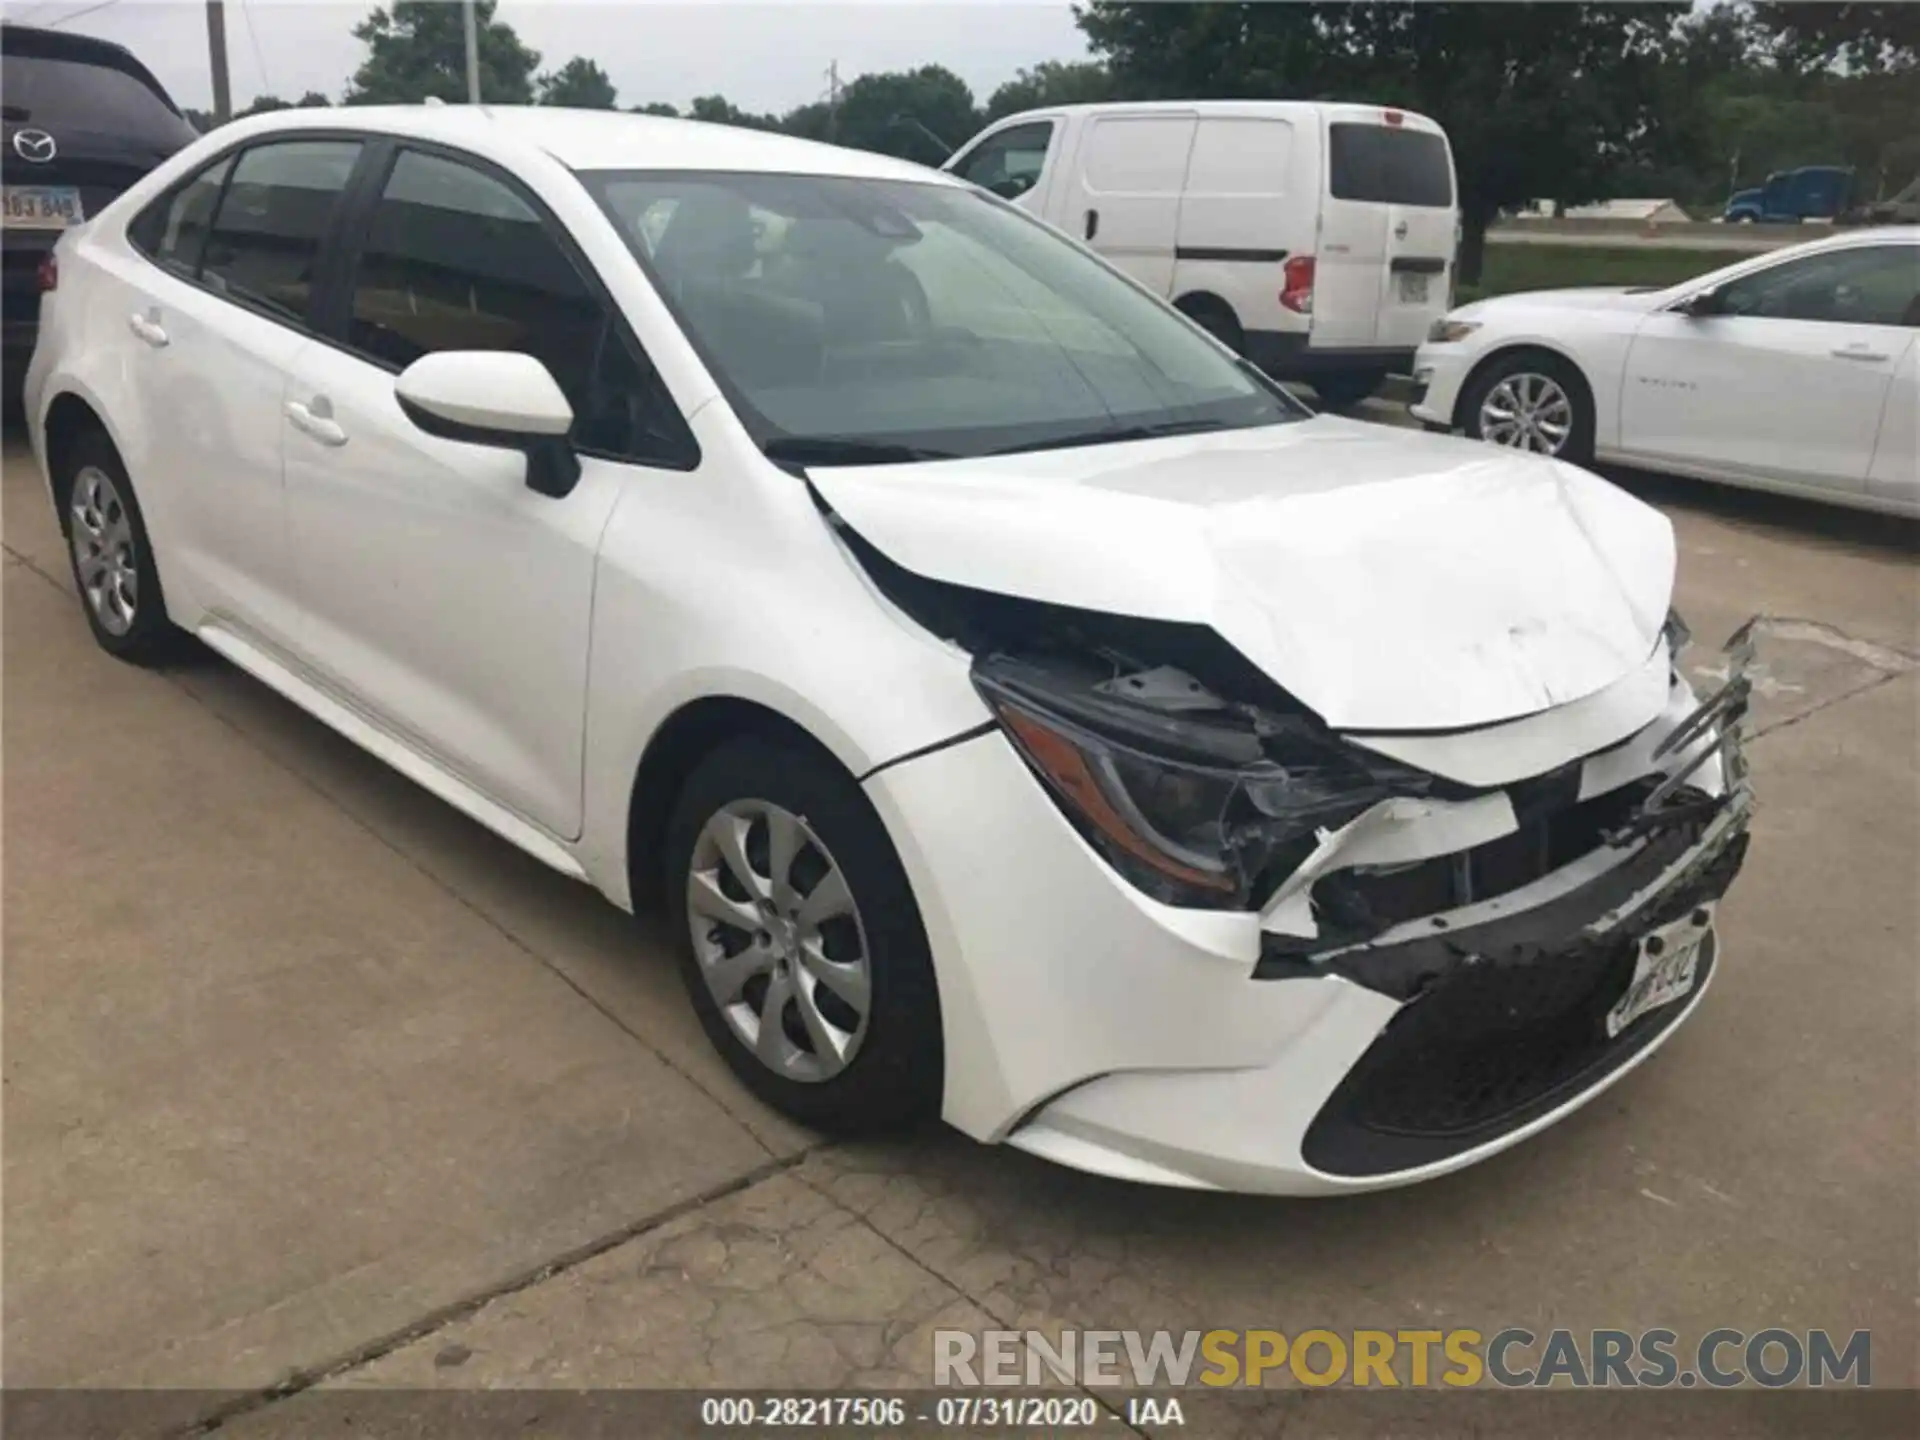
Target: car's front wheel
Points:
(112, 555)
(1530, 400)
(803, 949)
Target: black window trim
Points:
(1782, 262)
(958, 166)
(329, 238)
(333, 288)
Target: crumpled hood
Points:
(1389, 580)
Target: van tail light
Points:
(1296, 292)
(48, 275)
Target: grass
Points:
(1551, 267)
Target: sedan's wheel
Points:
(805, 957)
(1531, 401)
(778, 940)
(101, 530)
(112, 556)
(1527, 412)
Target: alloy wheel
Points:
(1527, 411)
(104, 550)
(779, 940)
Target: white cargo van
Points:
(1316, 239)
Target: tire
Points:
(111, 555)
(1532, 377)
(861, 1073)
(1344, 389)
(1218, 321)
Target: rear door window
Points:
(173, 230)
(1388, 165)
(264, 247)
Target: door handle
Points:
(148, 328)
(1093, 223)
(316, 419)
(1859, 352)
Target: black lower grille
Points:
(1499, 1037)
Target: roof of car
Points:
(606, 139)
(32, 42)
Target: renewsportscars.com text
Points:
(1513, 1357)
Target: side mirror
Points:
(1011, 187)
(498, 398)
(1704, 303)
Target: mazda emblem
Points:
(34, 146)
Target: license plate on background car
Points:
(1413, 289)
(1665, 970)
(41, 207)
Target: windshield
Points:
(871, 321)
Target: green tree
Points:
(718, 110)
(262, 104)
(916, 114)
(1860, 63)
(657, 107)
(1538, 100)
(417, 48)
(1052, 82)
(580, 83)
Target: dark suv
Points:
(83, 121)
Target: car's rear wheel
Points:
(1531, 400)
(112, 555)
(1216, 318)
(804, 953)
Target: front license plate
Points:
(1667, 966)
(41, 207)
(1413, 289)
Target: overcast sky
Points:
(760, 56)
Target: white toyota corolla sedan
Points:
(1796, 371)
(1025, 711)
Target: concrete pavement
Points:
(312, 1084)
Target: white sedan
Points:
(1022, 709)
(1796, 371)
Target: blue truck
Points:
(1813, 192)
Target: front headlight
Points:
(1204, 807)
(1445, 331)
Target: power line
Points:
(246, 14)
(83, 11)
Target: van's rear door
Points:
(1384, 269)
(1122, 190)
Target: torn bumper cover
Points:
(1443, 1027)
(1506, 1018)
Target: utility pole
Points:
(833, 100)
(217, 57)
(473, 51)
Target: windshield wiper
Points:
(1117, 434)
(845, 450)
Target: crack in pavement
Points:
(1007, 1322)
(438, 882)
(1890, 663)
(442, 1316)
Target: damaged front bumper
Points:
(1447, 1037)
